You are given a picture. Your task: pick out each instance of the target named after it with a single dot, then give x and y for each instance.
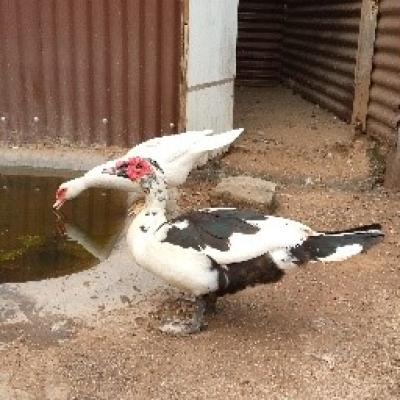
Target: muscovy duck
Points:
(215, 251)
(177, 154)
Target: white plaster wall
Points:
(211, 64)
(211, 108)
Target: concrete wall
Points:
(211, 64)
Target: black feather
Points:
(237, 276)
(326, 244)
(211, 228)
(363, 228)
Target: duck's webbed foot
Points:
(194, 325)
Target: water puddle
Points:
(37, 244)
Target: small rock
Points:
(59, 326)
(329, 359)
(247, 191)
(309, 181)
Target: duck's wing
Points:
(177, 164)
(231, 235)
(184, 148)
(167, 147)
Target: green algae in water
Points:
(27, 242)
(31, 246)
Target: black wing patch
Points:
(238, 276)
(211, 228)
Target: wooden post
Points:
(365, 53)
(183, 65)
(392, 176)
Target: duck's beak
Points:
(58, 204)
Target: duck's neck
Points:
(156, 192)
(153, 213)
(77, 186)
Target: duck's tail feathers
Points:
(339, 245)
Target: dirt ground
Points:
(323, 332)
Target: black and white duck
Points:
(215, 251)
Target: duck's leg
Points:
(211, 303)
(194, 325)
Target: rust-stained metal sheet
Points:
(89, 72)
(319, 51)
(259, 42)
(384, 105)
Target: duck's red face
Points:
(135, 169)
(61, 197)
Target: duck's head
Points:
(136, 169)
(67, 191)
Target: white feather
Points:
(186, 269)
(343, 253)
(283, 259)
(181, 224)
(168, 148)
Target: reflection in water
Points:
(36, 244)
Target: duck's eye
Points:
(61, 192)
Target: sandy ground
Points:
(323, 332)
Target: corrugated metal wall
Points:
(319, 51)
(259, 42)
(104, 71)
(384, 105)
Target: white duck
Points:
(212, 252)
(177, 155)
